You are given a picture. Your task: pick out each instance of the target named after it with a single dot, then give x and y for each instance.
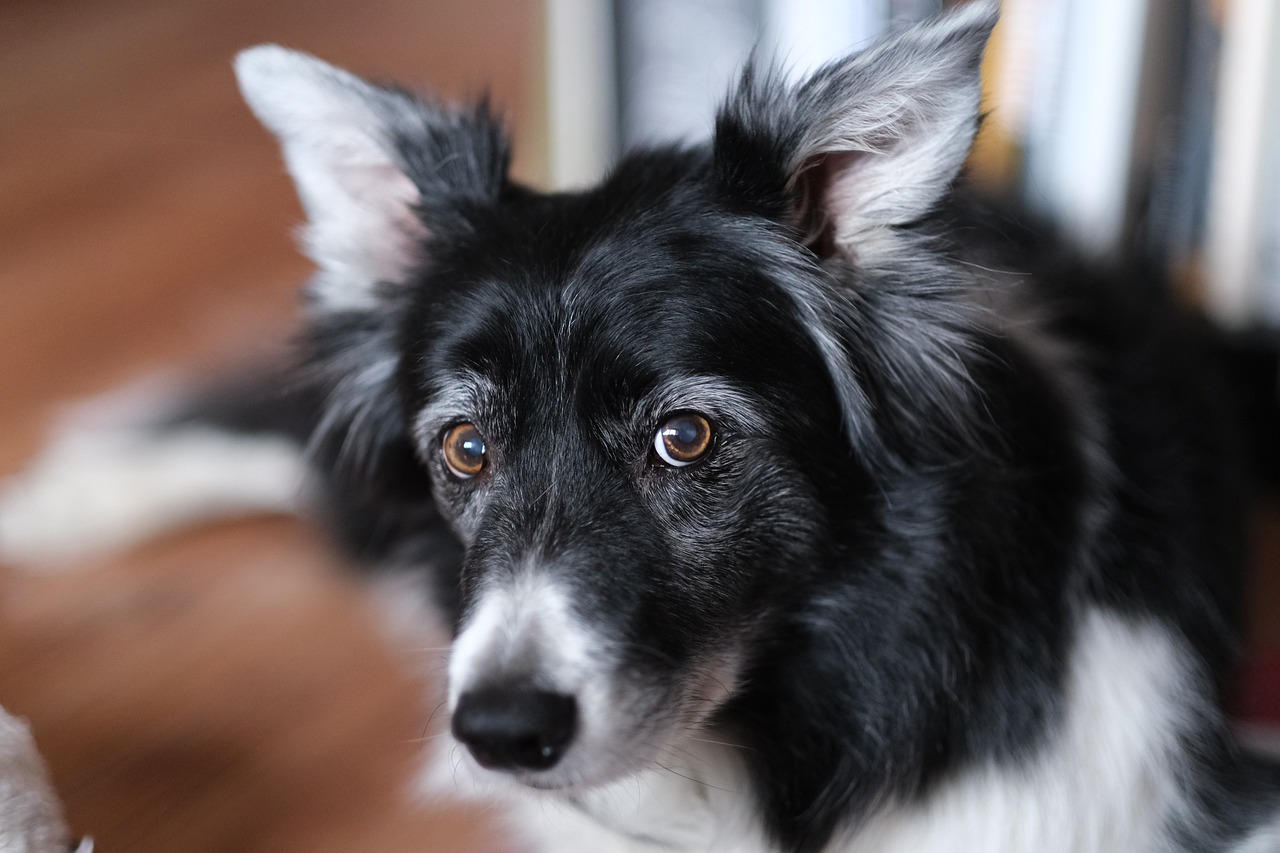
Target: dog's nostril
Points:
(515, 729)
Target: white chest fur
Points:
(1105, 782)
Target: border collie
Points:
(771, 509)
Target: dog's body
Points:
(768, 517)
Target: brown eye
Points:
(683, 439)
(464, 450)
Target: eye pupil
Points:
(464, 450)
(683, 431)
(683, 439)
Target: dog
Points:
(777, 500)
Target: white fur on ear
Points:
(906, 111)
(332, 125)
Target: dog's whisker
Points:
(432, 716)
(424, 738)
(695, 780)
(729, 744)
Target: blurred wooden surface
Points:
(229, 689)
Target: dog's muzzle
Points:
(515, 728)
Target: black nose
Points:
(515, 729)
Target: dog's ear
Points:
(384, 177)
(379, 170)
(865, 144)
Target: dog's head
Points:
(651, 411)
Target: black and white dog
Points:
(768, 516)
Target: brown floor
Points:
(229, 689)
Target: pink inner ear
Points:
(382, 185)
(370, 229)
(824, 188)
(399, 197)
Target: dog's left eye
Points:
(683, 439)
(464, 450)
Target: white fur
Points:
(529, 618)
(696, 801)
(98, 489)
(30, 814)
(1106, 782)
(1264, 840)
(359, 202)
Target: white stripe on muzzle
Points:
(525, 629)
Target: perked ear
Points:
(376, 167)
(867, 143)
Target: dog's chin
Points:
(543, 783)
(575, 775)
(538, 783)
(561, 783)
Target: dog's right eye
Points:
(683, 439)
(464, 450)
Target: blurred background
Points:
(231, 688)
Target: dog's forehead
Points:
(619, 289)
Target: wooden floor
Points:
(230, 689)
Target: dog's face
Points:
(650, 410)
(617, 411)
